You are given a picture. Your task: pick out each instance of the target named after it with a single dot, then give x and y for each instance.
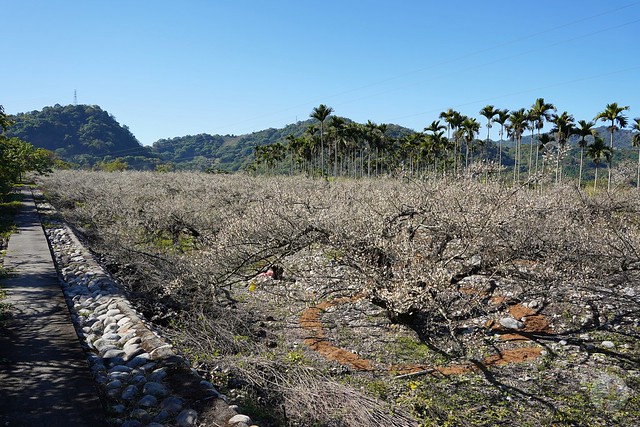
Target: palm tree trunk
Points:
(537, 151)
(466, 157)
(321, 149)
(557, 164)
(530, 155)
(500, 147)
(519, 157)
(580, 173)
(335, 164)
(610, 158)
(455, 157)
(595, 181)
(638, 177)
(516, 162)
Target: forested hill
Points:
(225, 152)
(82, 134)
(233, 152)
(86, 135)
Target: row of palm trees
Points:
(448, 146)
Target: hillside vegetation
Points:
(87, 136)
(81, 134)
(397, 302)
(326, 144)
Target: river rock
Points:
(237, 419)
(511, 323)
(172, 405)
(155, 389)
(130, 392)
(186, 418)
(148, 401)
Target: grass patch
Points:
(9, 206)
(5, 314)
(411, 350)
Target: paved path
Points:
(44, 376)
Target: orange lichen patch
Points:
(515, 355)
(533, 323)
(513, 337)
(340, 355)
(310, 320)
(498, 300)
(454, 369)
(519, 310)
(537, 324)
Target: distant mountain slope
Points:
(232, 152)
(86, 135)
(621, 138)
(83, 134)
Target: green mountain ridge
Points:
(232, 152)
(87, 135)
(81, 134)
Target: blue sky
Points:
(173, 68)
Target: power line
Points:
(460, 58)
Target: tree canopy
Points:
(83, 134)
(18, 157)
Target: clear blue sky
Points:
(172, 68)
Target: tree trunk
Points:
(580, 173)
(638, 177)
(530, 155)
(610, 159)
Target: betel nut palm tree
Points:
(516, 127)
(502, 116)
(337, 129)
(584, 130)
(563, 129)
(321, 113)
(612, 113)
(435, 131)
(635, 141)
(543, 141)
(453, 119)
(598, 150)
(540, 112)
(488, 112)
(470, 128)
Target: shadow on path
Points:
(44, 375)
